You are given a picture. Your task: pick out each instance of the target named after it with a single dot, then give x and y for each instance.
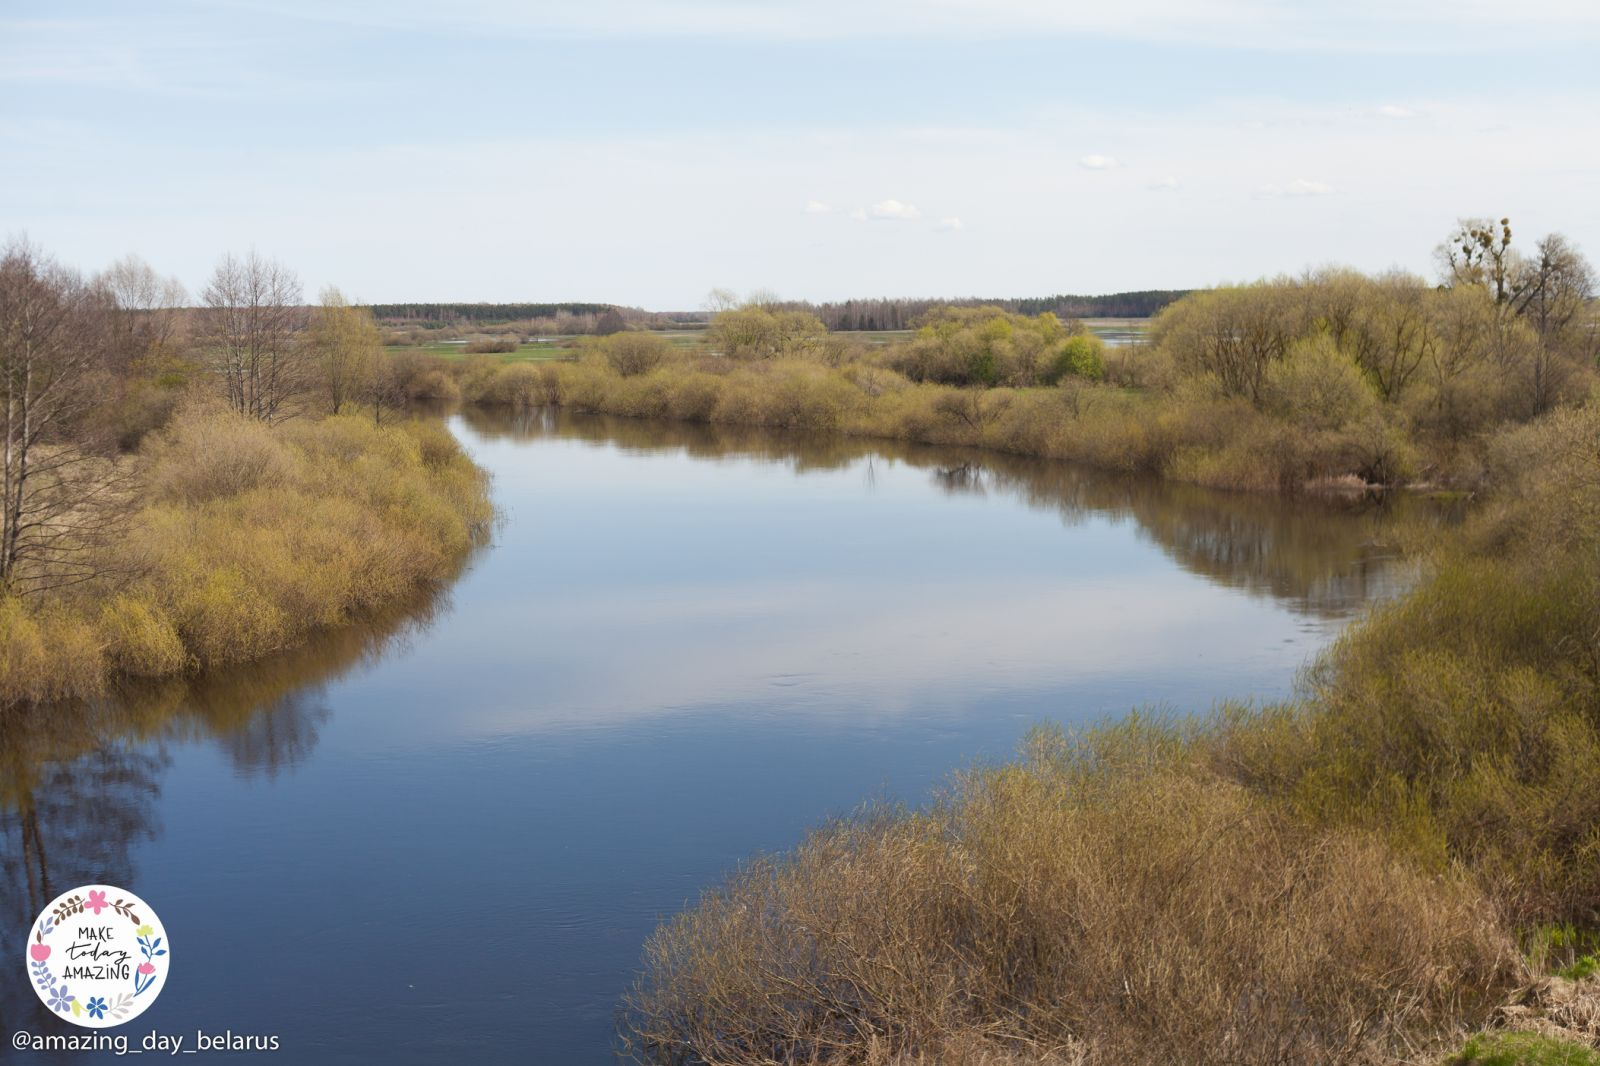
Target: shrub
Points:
(434, 384)
(1080, 356)
(212, 455)
(1317, 386)
(487, 345)
(252, 537)
(1101, 893)
(634, 353)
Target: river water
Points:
(444, 836)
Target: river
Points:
(444, 836)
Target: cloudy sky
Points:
(644, 151)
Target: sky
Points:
(645, 151)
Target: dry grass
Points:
(1103, 901)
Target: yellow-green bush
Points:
(1465, 717)
(1102, 894)
(253, 536)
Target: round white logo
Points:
(98, 956)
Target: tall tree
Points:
(148, 309)
(252, 309)
(58, 495)
(1479, 252)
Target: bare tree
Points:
(1554, 287)
(252, 310)
(149, 309)
(61, 497)
(384, 389)
(1479, 252)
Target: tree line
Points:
(472, 313)
(90, 364)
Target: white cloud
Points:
(1303, 187)
(1164, 184)
(1098, 162)
(859, 214)
(950, 222)
(1396, 111)
(1297, 187)
(893, 211)
(817, 207)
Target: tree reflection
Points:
(1322, 555)
(79, 782)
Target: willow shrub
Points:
(250, 538)
(1103, 895)
(1192, 432)
(1352, 877)
(1465, 717)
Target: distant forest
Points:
(450, 314)
(878, 314)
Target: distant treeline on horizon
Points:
(873, 314)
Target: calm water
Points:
(444, 837)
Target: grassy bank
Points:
(1362, 875)
(241, 539)
(1280, 386)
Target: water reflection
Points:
(1324, 555)
(80, 783)
(688, 644)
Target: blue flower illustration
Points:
(59, 1000)
(96, 1007)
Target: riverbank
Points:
(1209, 440)
(238, 540)
(1296, 386)
(1364, 874)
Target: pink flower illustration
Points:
(40, 952)
(146, 968)
(97, 900)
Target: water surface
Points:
(444, 836)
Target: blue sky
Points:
(644, 151)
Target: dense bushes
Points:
(986, 346)
(1465, 718)
(757, 332)
(485, 345)
(1195, 433)
(1101, 896)
(1334, 377)
(249, 537)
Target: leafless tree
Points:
(149, 310)
(1479, 252)
(61, 496)
(1554, 287)
(384, 389)
(252, 315)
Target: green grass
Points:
(1523, 1049)
(1587, 966)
